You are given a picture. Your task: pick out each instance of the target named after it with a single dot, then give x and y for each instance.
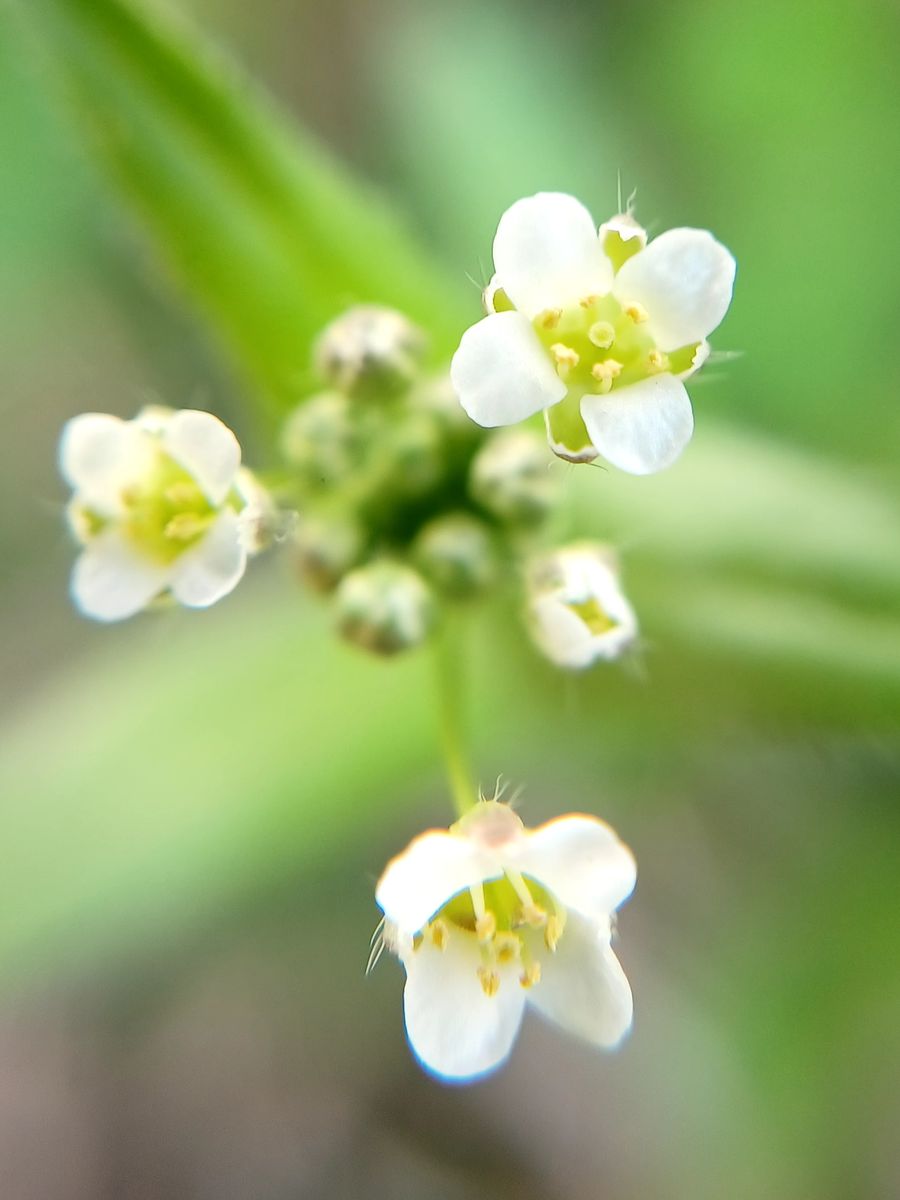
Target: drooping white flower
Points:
(161, 507)
(598, 330)
(578, 613)
(489, 916)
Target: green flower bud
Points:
(321, 439)
(370, 352)
(417, 457)
(326, 547)
(511, 477)
(384, 607)
(455, 553)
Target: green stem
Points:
(448, 662)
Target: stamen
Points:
(530, 913)
(657, 361)
(184, 526)
(549, 318)
(636, 311)
(553, 931)
(507, 947)
(485, 926)
(438, 932)
(605, 372)
(602, 334)
(566, 357)
(589, 301)
(489, 980)
(183, 492)
(531, 975)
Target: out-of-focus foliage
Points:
(234, 778)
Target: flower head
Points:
(161, 507)
(597, 329)
(577, 609)
(490, 915)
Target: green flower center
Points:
(593, 616)
(166, 512)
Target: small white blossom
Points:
(597, 329)
(490, 915)
(577, 609)
(161, 507)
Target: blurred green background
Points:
(195, 806)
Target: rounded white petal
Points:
(560, 634)
(112, 580)
(641, 428)
(206, 449)
(214, 566)
(99, 455)
(433, 868)
(501, 372)
(582, 862)
(454, 1029)
(547, 253)
(684, 279)
(583, 988)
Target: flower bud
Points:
(511, 477)
(370, 352)
(384, 607)
(455, 553)
(577, 609)
(326, 547)
(321, 439)
(417, 458)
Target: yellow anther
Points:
(531, 975)
(438, 933)
(553, 931)
(183, 492)
(532, 914)
(636, 311)
(485, 926)
(588, 301)
(549, 318)
(130, 495)
(184, 526)
(566, 357)
(489, 980)
(657, 361)
(605, 372)
(507, 947)
(602, 334)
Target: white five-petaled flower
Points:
(488, 916)
(578, 613)
(597, 330)
(161, 507)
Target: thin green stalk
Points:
(448, 662)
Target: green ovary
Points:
(593, 616)
(166, 512)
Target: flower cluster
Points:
(598, 330)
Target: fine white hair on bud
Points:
(577, 612)
(384, 607)
(489, 916)
(370, 352)
(597, 329)
(162, 507)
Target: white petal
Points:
(560, 634)
(641, 428)
(501, 372)
(432, 869)
(454, 1029)
(112, 580)
(583, 987)
(684, 279)
(206, 449)
(212, 568)
(582, 862)
(701, 354)
(99, 455)
(547, 253)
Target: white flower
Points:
(596, 329)
(488, 916)
(161, 506)
(578, 611)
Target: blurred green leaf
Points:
(261, 225)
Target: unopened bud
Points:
(416, 453)
(326, 547)
(511, 477)
(321, 440)
(455, 553)
(384, 607)
(370, 352)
